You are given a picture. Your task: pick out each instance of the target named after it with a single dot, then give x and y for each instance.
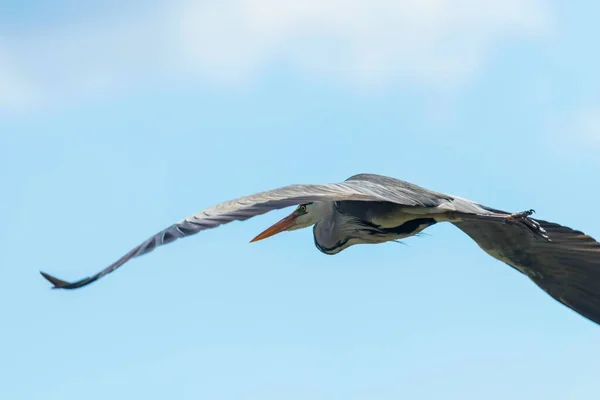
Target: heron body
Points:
(370, 209)
(339, 225)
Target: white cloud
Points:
(362, 42)
(574, 134)
(586, 125)
(16, 91)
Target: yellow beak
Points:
(276, 228)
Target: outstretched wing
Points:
(567, 267)
(246, 207)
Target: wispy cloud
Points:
(586, 125)
(362, 42)
(16, 89)
(574, 134)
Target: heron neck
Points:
(329, 233)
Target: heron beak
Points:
(276, 228)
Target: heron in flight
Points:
(369, 208)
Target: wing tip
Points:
(58, 283)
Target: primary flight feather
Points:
(368, 208)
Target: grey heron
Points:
(369, 208)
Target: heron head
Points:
(303, 216)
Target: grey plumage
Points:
(368, 208)
(567, 268)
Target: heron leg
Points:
(520, 219)
(521, 215)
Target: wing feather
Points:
(247, 207)
(567, 267)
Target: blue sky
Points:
(117, 121)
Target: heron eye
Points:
(303, 208)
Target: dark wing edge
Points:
(567, 268)
(247, 207)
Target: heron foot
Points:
(523, 220)
(522, 214)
